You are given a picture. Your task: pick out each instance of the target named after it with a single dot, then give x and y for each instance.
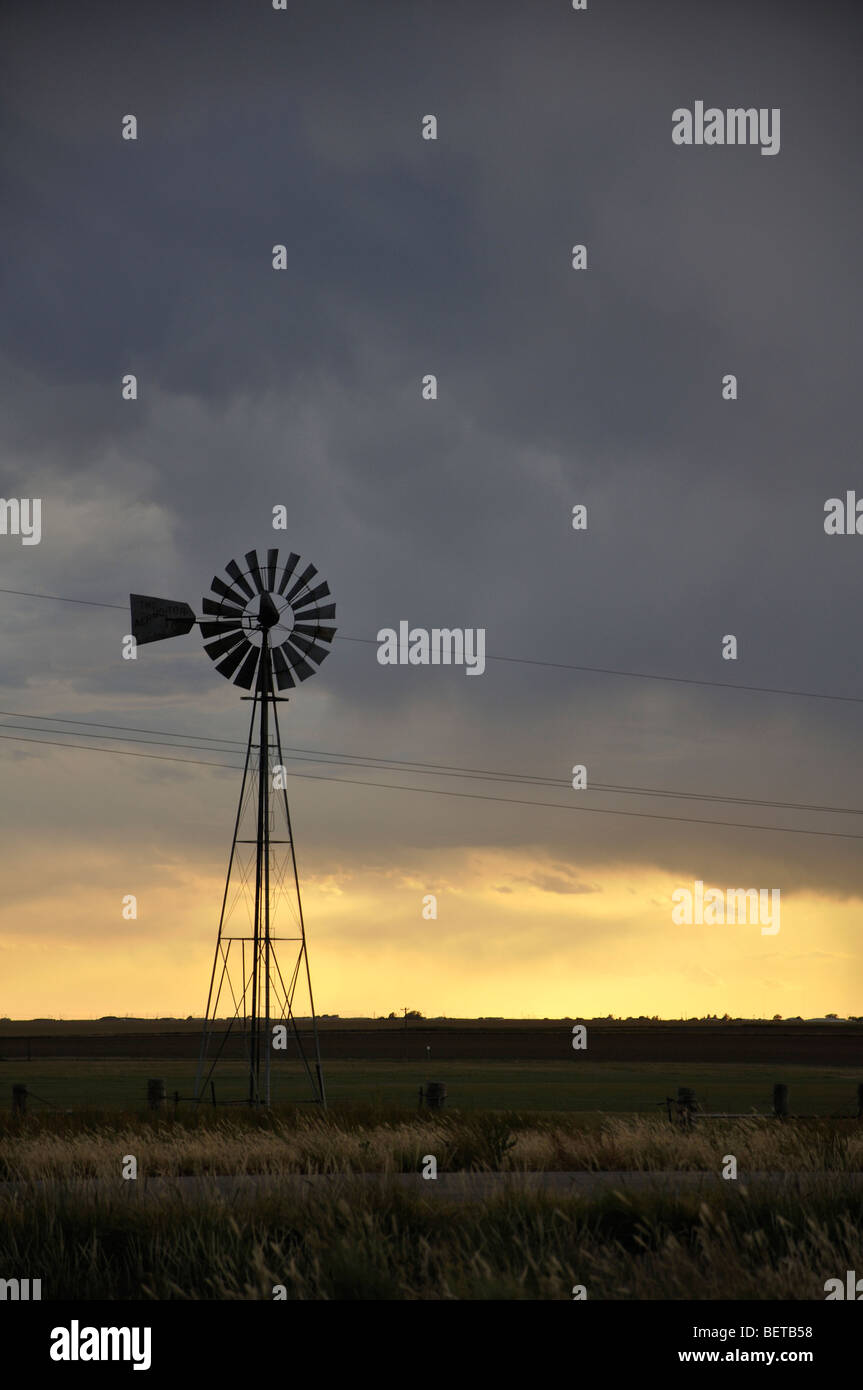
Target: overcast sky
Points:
(302, 387)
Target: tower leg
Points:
(319, 1073)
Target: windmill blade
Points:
(299, 665)
(154, 619)
(291, 565)
(272, 566)
(239, 578)
(224, 645)
(232, 661)
(246, 674)
(312, 596)
(218, 628)
(221, 610)
(314, 614)
(317, 634)
(284, 679)
(308, 573)
(220, 587)
(311, 649)
(255, 570)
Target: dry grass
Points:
(386, 1244)
(40, 1149)
(361, 1242)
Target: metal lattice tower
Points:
(265, 629)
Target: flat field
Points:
(459, 1040)
(585, 1086)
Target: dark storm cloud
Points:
(407, 257)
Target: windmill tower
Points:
(265, 628)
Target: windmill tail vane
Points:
(265, 627)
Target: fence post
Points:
(860, 1100)
(435, 1095)
(19, 1099)
(780, 1101)
(155, 1094)
(686, 1104)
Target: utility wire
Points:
(534, 661)
(374, 762)
(446, 770)
(25, 593)
(469, 796)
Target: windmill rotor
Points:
(270, 599)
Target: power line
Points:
(157, 743)
(25, 593)
(119, 752)
(681, 680)
(379, 763)
(648, 676)
(426, 769)
(535, 661)
(127, 728)
(468, 796)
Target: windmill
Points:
(264, 625)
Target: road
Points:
(447, 1187)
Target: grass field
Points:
(391, 1246)
(597, 1087)
(116, 1240)
(369, 1140)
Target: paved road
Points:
(457, 1187)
